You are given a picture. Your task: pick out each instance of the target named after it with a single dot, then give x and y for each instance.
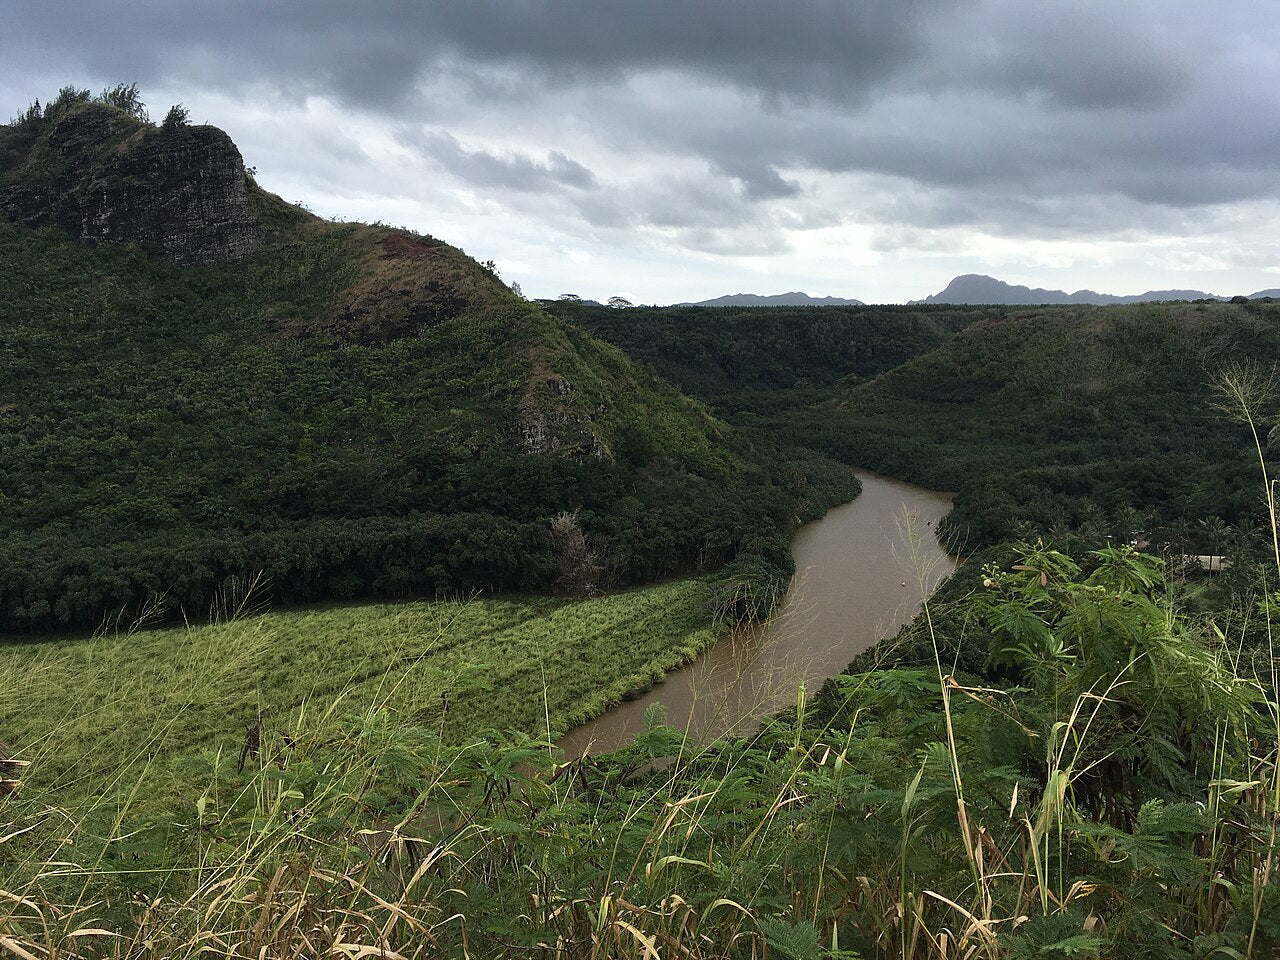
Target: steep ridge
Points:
(102, 174)
(231, 387)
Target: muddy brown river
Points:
(861, 572)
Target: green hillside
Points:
(757, 361)
(345, 409)
(102, 710)
(1099, 420)
(1107, 419)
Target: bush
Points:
(125, 97)
(176, 117)
(747, 590)
(68, 96)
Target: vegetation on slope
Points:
(1102, 419)
(1097, 420)
(351, 410)
(98, 710)
(750, 362)
(1114, 796)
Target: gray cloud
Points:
(1074, 91)
(372, 54)
(1067, 118)
(513, 170)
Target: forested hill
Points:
(1108, 420)
(758, 359)
(1093, 420)
(200, 383)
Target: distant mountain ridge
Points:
(793, 299)
(974, 288)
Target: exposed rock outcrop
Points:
(553, 422)
(103, 175)
(407, 283)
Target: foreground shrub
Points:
(1114, 796)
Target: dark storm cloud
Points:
(1083, 116)
(372, 52)
(1075, 56)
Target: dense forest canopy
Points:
(1109, 419)
(744, 359)
(1104, 420)
(346, 409)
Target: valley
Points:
(353, 604)
(862, 571)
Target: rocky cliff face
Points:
(102, 175)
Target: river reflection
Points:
(861, 572)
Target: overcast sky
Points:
(671, 150)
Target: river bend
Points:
(861, 572)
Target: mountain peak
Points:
(102, 173)
(976, 288)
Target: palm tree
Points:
(1215, 534)
(1129, 523)
(1062, 537)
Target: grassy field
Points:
(1113, 796)
(94, 711)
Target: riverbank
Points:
(862, 571)
(93, 708)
